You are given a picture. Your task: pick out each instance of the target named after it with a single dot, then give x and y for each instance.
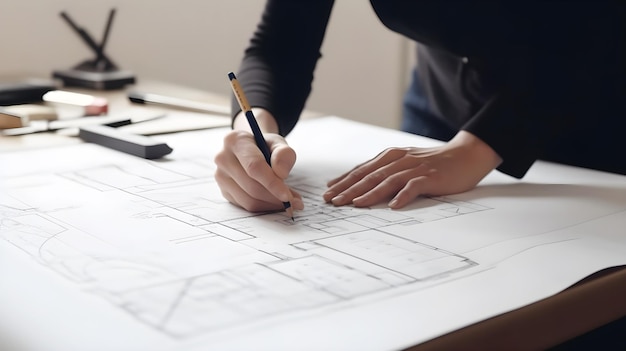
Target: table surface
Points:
(118, 102)
(599, 298)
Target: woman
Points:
(504, 84)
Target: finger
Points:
(230, 170)
(386, 181)
(296, 200)
(352, 185)
(347, 180)
(390, 186)
(332, 182)
(381, 156)
(359, 188)
(283, 159)
(242, 198)
(255, 167)
(414, 188)
(236, 195)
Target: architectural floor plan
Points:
(101, 250)
(159, 241)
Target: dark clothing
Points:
(531, 79)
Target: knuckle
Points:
(220, 159)
(386, 154)
(357, 174)
(387, 151)
(394, 152)
(219, 176)
(232, 137)
(375, 177)
(396, 181)
(413, 183)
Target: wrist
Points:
(480, 151)
(266, 121)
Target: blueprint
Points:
(156, 240)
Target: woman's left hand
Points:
(399, 175)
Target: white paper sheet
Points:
(105, 251)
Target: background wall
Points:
(361, 75)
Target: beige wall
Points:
(196, 42)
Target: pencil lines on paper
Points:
(158, 241)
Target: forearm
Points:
(277, 68)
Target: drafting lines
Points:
(161, 243)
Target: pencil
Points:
(256, 131)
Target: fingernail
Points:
(393, 203)
(358, 200)
(338, 200)
(329, 195)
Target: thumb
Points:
(283, 156)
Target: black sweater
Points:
(531, 79)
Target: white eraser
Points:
(91, 105)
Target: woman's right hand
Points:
(243, 175)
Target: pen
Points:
(256, 131)
(178, 103)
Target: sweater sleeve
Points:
(540, 59)
(548, 84)
(276, 72)
(510, 121)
